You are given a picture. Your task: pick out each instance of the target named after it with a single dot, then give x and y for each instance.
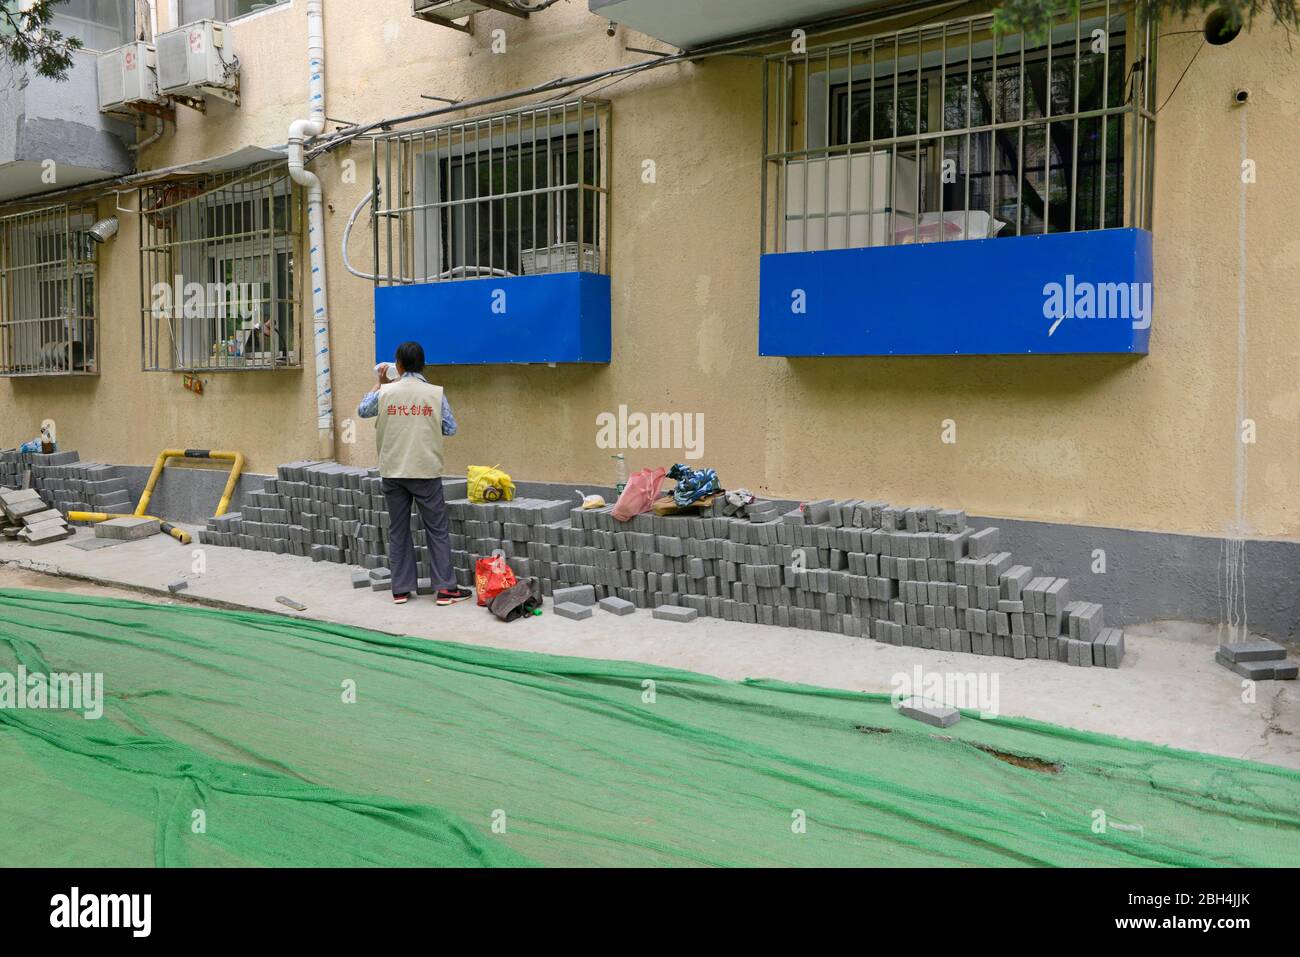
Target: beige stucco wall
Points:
(1147, 443)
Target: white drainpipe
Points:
(299, 131)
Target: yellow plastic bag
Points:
(489, 484)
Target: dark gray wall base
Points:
(1149, 575)
(188, 495)
(1152, 575)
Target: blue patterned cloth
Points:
(693, 484)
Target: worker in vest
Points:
(412, 416)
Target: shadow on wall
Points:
(960, 376)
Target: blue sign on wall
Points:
(560, 317)
(1060, 293)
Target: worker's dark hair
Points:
(410, 356)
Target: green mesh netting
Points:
(241, 716)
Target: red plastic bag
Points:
(492, 576)
(640, 494)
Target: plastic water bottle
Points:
(620, 473)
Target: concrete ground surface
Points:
(1168, 690)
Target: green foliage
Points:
(1033, 16)
(27, 37)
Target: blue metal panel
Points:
(560, 317)
(1062, 293)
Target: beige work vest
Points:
(409, 429)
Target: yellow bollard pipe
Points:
(238, 459)
(160, 463)
(143, 505)
(179, 534)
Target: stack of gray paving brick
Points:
(67, 483)
(316, 510)
(904, 576)
(25, 516)
(1260, 660)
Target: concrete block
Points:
(983, 542)
(290, 603)
(573, 610)
(1255, 670)
(617, 606)
(360, 579)
(1099, 653)
(179, 585)
(128, 529)
(21, 510)
(45, 533)
(1057, 596)
(815, 513)
(577, 595)
(675, 613)
(1262, 650)
(1085, 652)
(935, 715)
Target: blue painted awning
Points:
(559, 317)
(1060, 293)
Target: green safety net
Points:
(226, 740)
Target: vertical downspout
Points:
(147, 32)
(299, 132)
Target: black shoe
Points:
(449, 596)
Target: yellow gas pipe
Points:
(142, 508)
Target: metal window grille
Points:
(946, 131)
(522, 192)
(47, 293)
(223, 10)
(219, 282)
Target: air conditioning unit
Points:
(448, 9)
(196, 59)
(127, 75)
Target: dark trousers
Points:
(427, 496)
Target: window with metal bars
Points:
(946, 131)
(518, 193)
(223, 10)
(99, 24)
(47, 293)
(219, 286)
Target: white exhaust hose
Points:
(299, 132)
